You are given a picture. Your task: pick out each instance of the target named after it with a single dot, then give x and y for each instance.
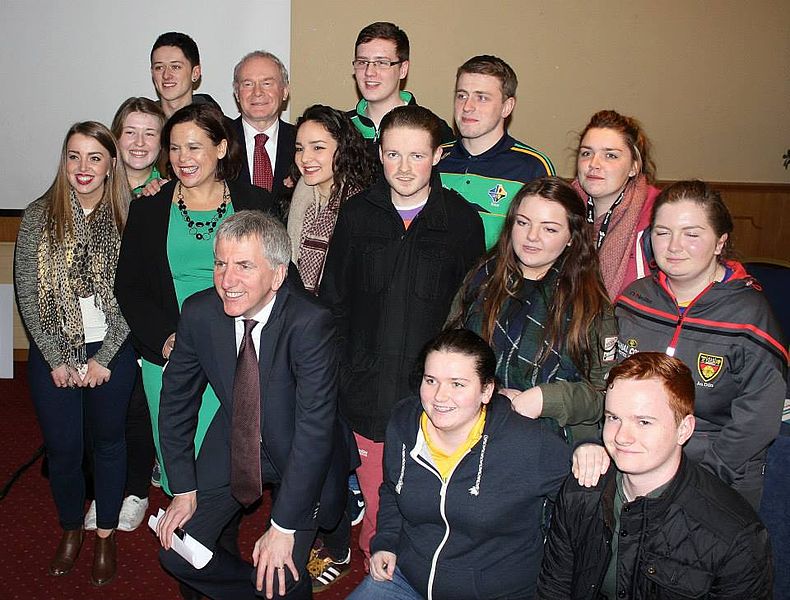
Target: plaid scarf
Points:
(519, 333)
(80, 266)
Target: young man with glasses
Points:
(381, 62)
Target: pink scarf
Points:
(615, 254)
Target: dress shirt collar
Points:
(271, 144)
(262, 316)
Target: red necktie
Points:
(245, 450)
(262, 175)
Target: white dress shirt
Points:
(271, 144)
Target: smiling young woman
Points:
(334, 164)
(137, 126)
(445, 528)
(81, 368)
(167, 250)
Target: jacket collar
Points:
(739, 277)
(433, 215)
(365, 123)
(504, 143)
(653, 507)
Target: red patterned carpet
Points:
(30, 529)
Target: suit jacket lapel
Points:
(269, 336)
(223, 340)
(286, 145)
(244, 174)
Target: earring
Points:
(194, 79)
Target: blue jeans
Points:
(60, 414)
(397, 589)
(775, 508)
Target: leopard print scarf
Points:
(80, 266)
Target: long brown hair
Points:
(116, 187)
(353, 166)
(579, 292)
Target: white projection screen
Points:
(63, 62)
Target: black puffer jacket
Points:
(699, 539)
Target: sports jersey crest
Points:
(497, 194)
(709, 366)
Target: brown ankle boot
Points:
(105, 560)
(67, 552)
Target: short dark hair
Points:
(414, 117)
(212, 122)
(486, 64)
(182, 41)
(383, 30)
(711, 202)
(675, 377)
(468, 343)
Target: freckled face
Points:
(640, 432)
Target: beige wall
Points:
(708, 79)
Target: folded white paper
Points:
(195, 553)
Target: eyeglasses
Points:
(380, 63)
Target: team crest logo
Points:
(632, 344)
(497, 194)
(709, 366)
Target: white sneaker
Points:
(90, 517)
(132, 513)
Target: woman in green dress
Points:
(167, 250)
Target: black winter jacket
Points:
(390, 290)
(478, 534)
(699, 539)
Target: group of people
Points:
(436, 315)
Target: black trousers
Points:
(139, 442)
(227, 576)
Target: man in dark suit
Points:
(277, 423)
(260, 85)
